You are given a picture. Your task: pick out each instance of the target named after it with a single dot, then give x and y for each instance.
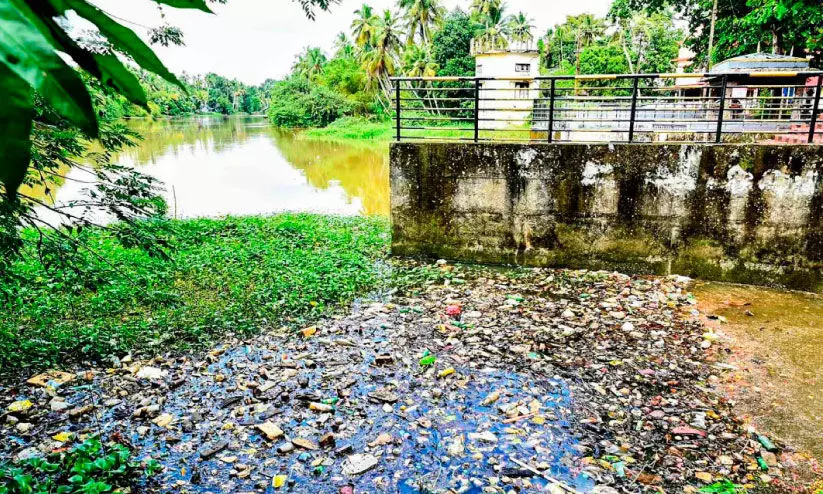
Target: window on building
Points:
(479, 70)
(521, 89)
(522, 67)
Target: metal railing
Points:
(734, 107)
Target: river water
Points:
(214, 166)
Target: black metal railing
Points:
(779, 107)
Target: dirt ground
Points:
(775, 339)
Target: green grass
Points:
(353, 128)
(233, 275)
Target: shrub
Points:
(295, 102)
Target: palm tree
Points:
(520, 28)
(481, 9)
(363, 26)
(418, 62)
(343, 47)
(494, 35)
(309, 64)
(380, 61)
(421, 16)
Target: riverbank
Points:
(360, 129)
(473, 379)
(224, 276)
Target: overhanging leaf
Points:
(122, 38)
(186, 4)
(28, 54)
(107, 68)
(16, 114)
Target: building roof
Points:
(754, 62)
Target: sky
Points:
(252, 40)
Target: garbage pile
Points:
(494, 381)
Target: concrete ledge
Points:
(742, 213)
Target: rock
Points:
(358, 464)
(270, 430)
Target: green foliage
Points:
(723, 487)
(451, 45)
(295, 102)
(87, 468)
(233, 275)
(781, 26)
(30, 47)
(646, 43)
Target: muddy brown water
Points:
(776, 340)
(214, 166)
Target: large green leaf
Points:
(105, 67)
(186, 4)
(28, 54)
(16, 114)
(121, 37)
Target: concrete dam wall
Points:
(741, 213)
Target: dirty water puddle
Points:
(475, 381)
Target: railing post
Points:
(476, 110)
(718, 137)
(632, 112)
(397, 107)
(551, 110)
(815, 108)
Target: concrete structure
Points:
(508, 100)
(740, 213)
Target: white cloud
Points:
(252, 40)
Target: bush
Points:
(295, 102)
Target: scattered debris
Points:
(599, 381)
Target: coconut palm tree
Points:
(421, 16)
(520, 28)
(481, 9)
(363, 26)
(309, 64)
(494, 35)
(380, 61)
(418, 62)
(343, 47)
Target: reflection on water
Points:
(213, 166)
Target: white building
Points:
(508, 100)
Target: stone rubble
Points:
(494, 381)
